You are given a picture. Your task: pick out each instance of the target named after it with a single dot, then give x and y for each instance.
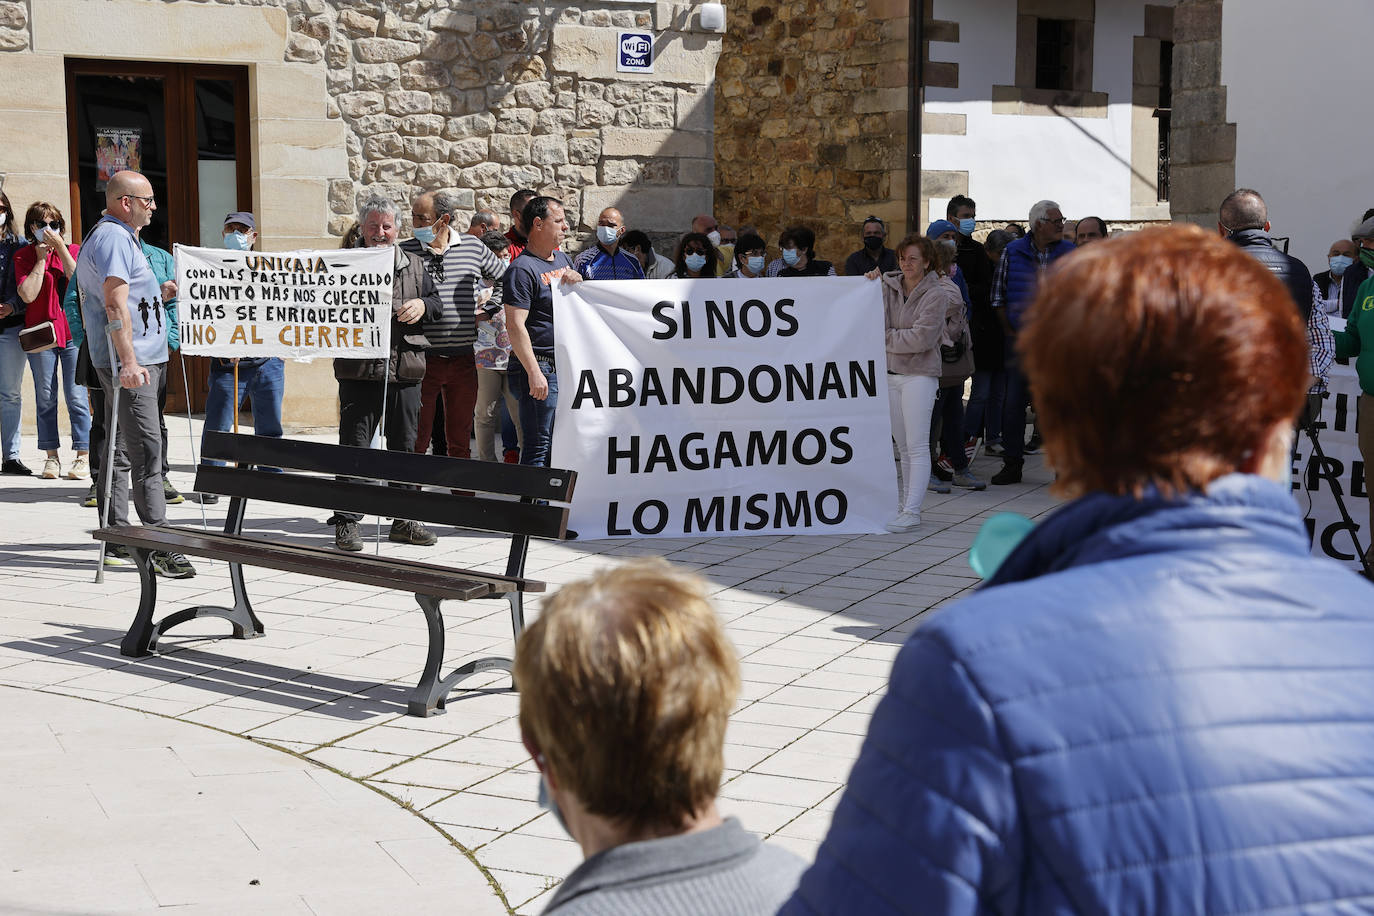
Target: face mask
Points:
(236, 241)
(1339, 263)
(505, 260)
(966, 226)
(607, 234)
(873, 242)
(695, 261)
(714, 236)
(1367, 257)
(755, 263)
(4, 218)
(790, 256)
(548, 804)
(424, 234)
(949, 244)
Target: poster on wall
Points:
(714, 408)
(117, 149)
(295, 304)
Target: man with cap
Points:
(261, 378)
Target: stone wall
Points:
(1202, 167)
(811, 118)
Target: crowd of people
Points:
(472, 342)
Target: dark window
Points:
(1166, 94)
(1054, 54)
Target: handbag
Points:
(38, 338)
(954, 372)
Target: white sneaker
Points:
(80, 469)
(52, 469)
(905, 521)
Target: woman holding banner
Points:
(918, 304)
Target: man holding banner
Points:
(387, 391)
(529, 322)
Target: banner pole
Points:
(381, 428)
(236, 398)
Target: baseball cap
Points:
(245, 219)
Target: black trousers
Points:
(360, 410)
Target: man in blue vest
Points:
(1013, 288)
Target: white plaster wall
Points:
(1015, 160)
(1293, 84)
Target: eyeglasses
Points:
(146, 201)
(1054, 222)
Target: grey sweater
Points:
(724, 870)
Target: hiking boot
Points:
(347, 535)
(52, 469)
(80, 469)
(905, 521)
(170, 493)
(937, 485)
(15, 468)
(407, 532)
(171, 565)
(966, 481)
(118, 555)
(1010, 473)
(90, 502)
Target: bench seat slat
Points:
(402, 467)
(367, 498)
(364, 569)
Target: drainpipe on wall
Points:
(915, 102)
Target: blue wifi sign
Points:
(636, 52)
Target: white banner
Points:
(296, 304)
(724, 407)
(1315, 483)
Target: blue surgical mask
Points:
(966, 226)
(1339, 263)
(755, 263)
(695, 261)
(607, 235)
(424, 235)
(790, 256)
(236, 241)
(548, 804)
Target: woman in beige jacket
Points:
(918, 306)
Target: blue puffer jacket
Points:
(1023, 274)
(1155, 707)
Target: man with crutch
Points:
(129, 352)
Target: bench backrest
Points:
(358, 478)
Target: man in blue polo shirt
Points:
(122, 309)
(1014, 283)
(605, 260)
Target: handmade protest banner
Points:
(1316, 482)
(724, 407)
(295, 304)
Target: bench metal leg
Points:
(141, 640)
(137, 643)
(430, 694)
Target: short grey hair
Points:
(1041, 211)
(446, 203)
(484, 218)
(378, 203)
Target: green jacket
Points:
(164, 268)
(1357, 339)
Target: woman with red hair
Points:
(1159, 701)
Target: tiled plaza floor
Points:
(817, 621)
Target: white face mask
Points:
(714, 236)
(4, 218)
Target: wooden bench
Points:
(508, 499)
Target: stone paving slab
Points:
(817, 621)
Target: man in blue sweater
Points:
(1014, 285)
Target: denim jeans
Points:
(947, 426)
(1014, 413)
(12, 364)
(47, 367)
(985, 402)
(264, 384)
(536, 417)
